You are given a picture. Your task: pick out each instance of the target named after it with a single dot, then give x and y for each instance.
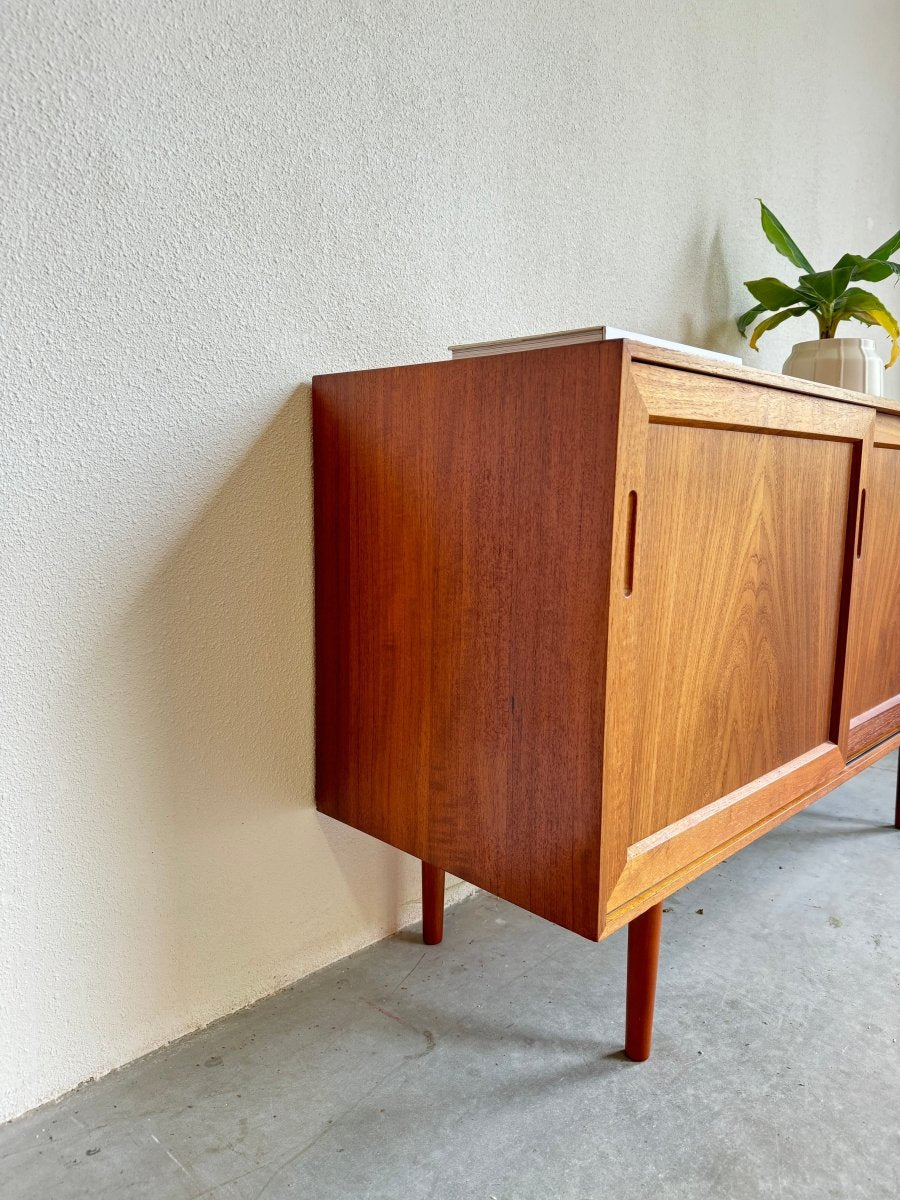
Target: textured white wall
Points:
(204, 203)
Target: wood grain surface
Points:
(772, 381)
(731, 642)
(463, 516)
(740, 594)
(704, 848)
(875, 674)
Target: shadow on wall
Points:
(228, 616)
(712, 294)
(252, 886)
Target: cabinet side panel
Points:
(462, 537)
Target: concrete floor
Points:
(490, 1066)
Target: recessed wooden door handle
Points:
(862, 517)
(630, 537)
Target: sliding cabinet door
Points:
(874, 674)
(736, 513)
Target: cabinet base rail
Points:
(644, 933)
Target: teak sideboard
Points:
(590, 619)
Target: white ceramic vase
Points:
(844, 362)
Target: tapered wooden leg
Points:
(643, 959)
(432, 904)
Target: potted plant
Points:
(831, 297)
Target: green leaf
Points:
(775, 319)
(858, 297)
(869, 269)
(810, 298)
(782, 240)
(771, 292)
(886, 249)
(860, 305)
(745, 320)
(828, 285)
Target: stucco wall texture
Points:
(203, 204)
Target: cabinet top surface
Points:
(641, 352)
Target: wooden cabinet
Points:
(589, 619)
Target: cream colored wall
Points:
(204, 204)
